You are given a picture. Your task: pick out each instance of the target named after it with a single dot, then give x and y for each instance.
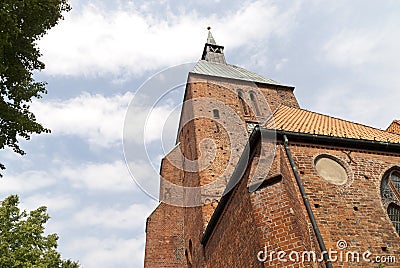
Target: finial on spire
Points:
(209, 28)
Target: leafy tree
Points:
(22, 243)
(22, 24)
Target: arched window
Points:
(190, 247)
(394, 215)
(395, 180)
(188, 261)
(242, 102)
(390, 193)
(254, 101)
(189, 254)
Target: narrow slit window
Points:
(254, 101)
(216, 113)
(242, 102)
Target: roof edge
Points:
(247, 81)
(335, 141)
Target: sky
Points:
(342, 56)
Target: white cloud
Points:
(145, 174)
(50, 200)
(352, 48)
(94, 40)
(114, 217)
(254, 22)
(99, 176)
(372, 48)
(109, 252)
(26, 181)
(161, 119)
(108, 176)
(100, 120)
(96, 118)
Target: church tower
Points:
(252, 172)
(222, 104)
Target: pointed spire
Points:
(213, 52)
(210, 38)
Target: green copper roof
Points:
(230, 71)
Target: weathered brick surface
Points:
(280, 218)
(164, 230)
(277, 96)
(353, 212)
(229, 132)
(165, 238)
(273, 216)
(235, 239)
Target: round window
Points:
(330, 170)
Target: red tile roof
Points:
(394, 127)
(303, 121)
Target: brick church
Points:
(256, 181)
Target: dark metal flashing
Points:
(277, 86)
(265, 183)
(360, 144)
(228, 79)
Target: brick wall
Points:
(274, 216)
(280, 216)
(277, 96)
(353, 212)
(228, 134)
(164, 227)
(235, 240)
(229, 131)
(165, 238)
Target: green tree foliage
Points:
(22, 242)
(22, 23)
